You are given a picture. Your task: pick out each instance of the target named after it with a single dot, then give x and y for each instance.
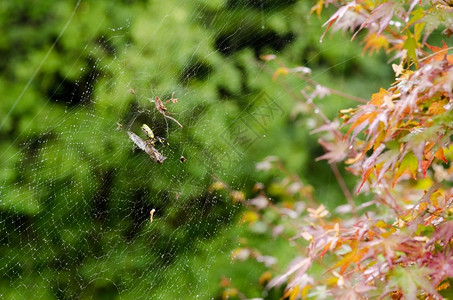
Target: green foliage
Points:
(410, 279)
(398, 243)
(75, 199)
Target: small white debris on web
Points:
(151, 215)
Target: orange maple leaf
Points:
(374, 43)
(440, 53)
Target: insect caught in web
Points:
(148, 147)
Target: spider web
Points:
(76, 194)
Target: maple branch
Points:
(344, 187)
(295, 178)
(314, 83)
(436, 53)
(396, 208)
(347, 96)
(297, 98)
(318, 111)
(333, 91)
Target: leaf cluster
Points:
(397, 144)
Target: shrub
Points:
(397, 243)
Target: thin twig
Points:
(332, 91)
(344, 188)
(436, 53)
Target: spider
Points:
(151, 139)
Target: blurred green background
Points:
(75, 196)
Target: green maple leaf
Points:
(410, 45)
(410, 279)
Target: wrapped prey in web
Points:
(147, 147)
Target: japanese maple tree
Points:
(398, 144)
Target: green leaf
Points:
(410, 45)
(410, 279)
(410, 163)
(423, 230)
(416, 15)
